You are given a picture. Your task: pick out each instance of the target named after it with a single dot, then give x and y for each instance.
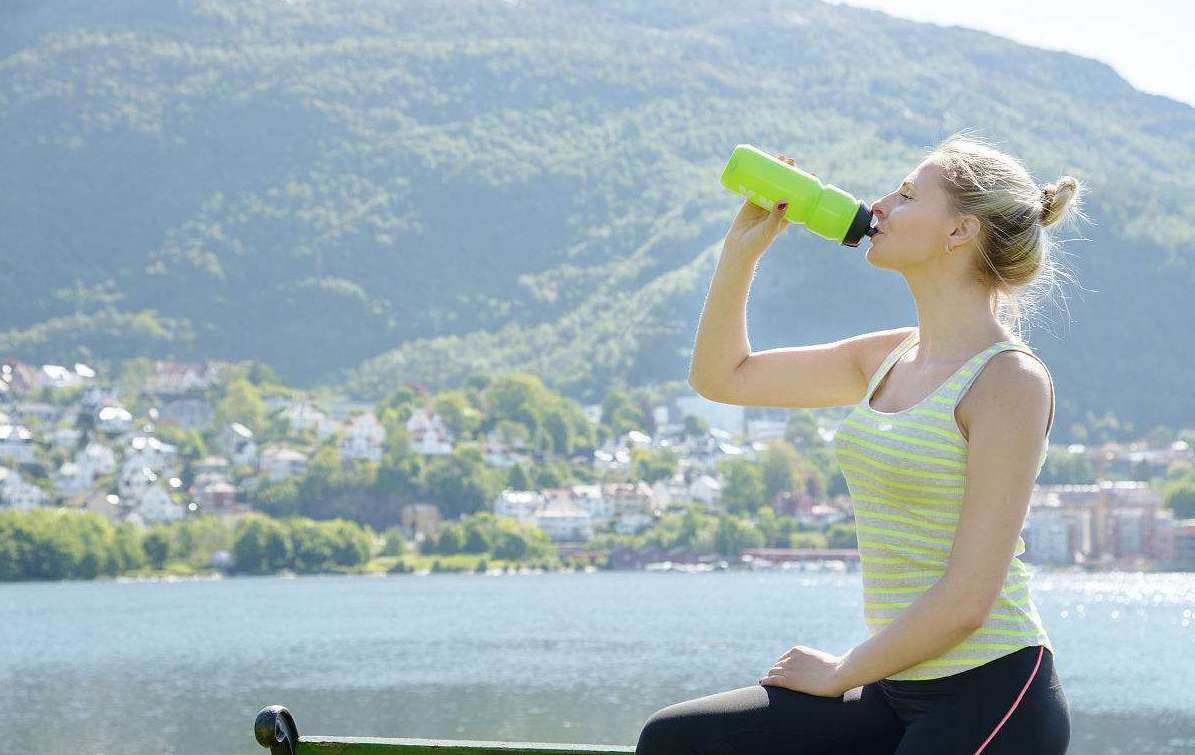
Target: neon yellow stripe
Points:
(960, 662)
(1018, 618)
(897, 590)
(898, 560)
(933, 413)
(952, 447)
(904, 575)
(1023, 602)
(894, 484)
(1008, 632)
(900, 548)
(850, 454)
(914, 536)
(969, 645)
(902, 422)
(923, 498)
(942, 400)
(877, 501)
(950, 463)
(906, 520)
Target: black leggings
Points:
(1013, 704)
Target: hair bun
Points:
(1055, 198)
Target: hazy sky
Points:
(1149, 42)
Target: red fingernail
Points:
(782, 206)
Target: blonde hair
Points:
(1017, 255)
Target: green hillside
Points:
(373, 192)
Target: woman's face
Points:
(915, 221)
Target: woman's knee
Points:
(663, 734)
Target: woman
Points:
(957, 659)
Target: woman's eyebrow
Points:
(908, 183)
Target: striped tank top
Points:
(905, 473)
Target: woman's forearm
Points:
(927, 628)
(722, 343)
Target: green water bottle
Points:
(822, 208)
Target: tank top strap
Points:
(961, 381)
(889, 360)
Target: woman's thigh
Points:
(766, 720)
(1017, 710)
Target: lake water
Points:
(183, 667)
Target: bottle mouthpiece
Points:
(860, 226)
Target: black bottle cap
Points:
(859, 226)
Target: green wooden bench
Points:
(275, 730)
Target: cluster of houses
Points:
(1107, 523)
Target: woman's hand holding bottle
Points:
(754, 228)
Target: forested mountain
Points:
(375, 192)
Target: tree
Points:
(1065, 468)
(620, 414)
(451, 539)
(458, 413)
(241, 403)
(842, 535)
(734, 535)
(156, 544)
(801, 429)
(460, 482)
(695, 427)
(1179, 497)
(781, 469)
(517, 479)
(654, 464)
(478, 534)
(742, 485)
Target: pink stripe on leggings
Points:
(1015, 703)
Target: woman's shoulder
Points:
(1012, 381)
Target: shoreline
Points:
(653, 567)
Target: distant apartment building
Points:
(1110, 522)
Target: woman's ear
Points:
(966, 228)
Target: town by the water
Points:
(217, 467)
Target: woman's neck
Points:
(953, 321)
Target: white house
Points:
(18, 494)
(303, 416)
(237, 441)
(113, 419)
(188, 413)
(428, 433)
(72, 477)
(57, 376)
(518, 504)
(45, 413)
(155, 505)
(564, 521)
(591, 498)
(218, 496)
(65, 437)
(16, 444)
(148, 451)
(97, 459)
(280, 463)
(707, 489)
(174, 378)
(766, 429)
(363, 438)
(134, 479)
